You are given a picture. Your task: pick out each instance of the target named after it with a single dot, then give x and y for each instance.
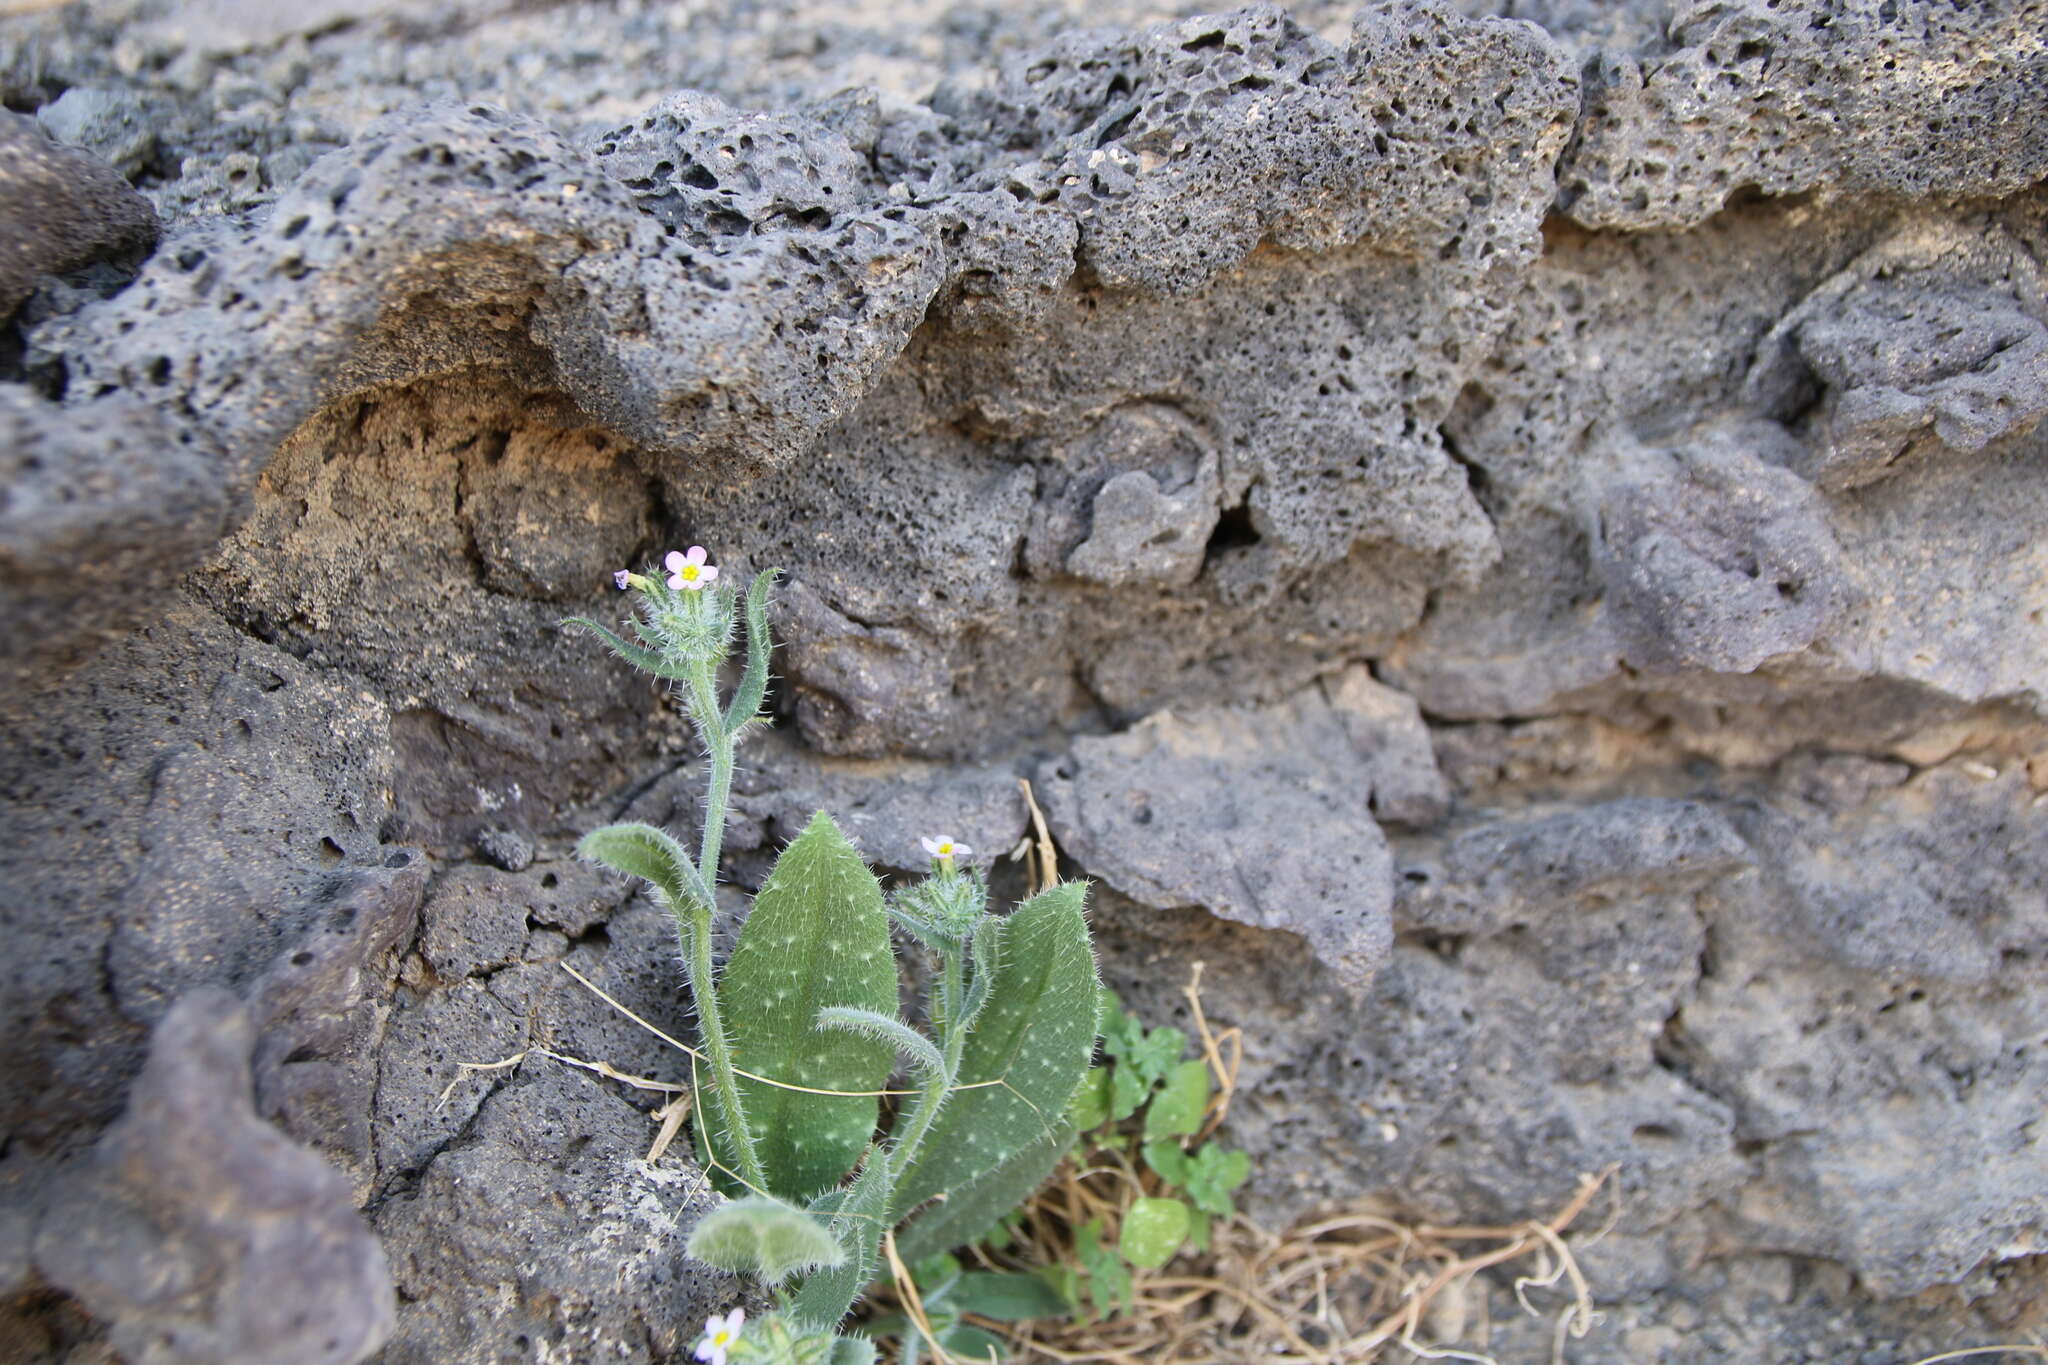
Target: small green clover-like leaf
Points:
(1176, 1111)
(1108, 1279)
(1153, 1230)
(1122, 1033)
(1127, 1091)
(764, 1237)
(1198, 1229)
(1166, 1157)
(1149, 1052)
(1212, 1173)
(1089, 1108)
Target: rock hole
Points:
(1235, 530)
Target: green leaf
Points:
(1143, 1057)
(1006, 1298)
(1108, 1279)
(1150, 1052)
(817, 938)
(967, 1214)
(935, 1277)
(856, 1215)
(763, 1237)
(753, 686)
(1090, 1109)
(645, 660)
(1168, 1160)
(913, 1046)
(1127, 1092)
(971, 1343)
(1122, 1033)
(1153, 1230)
(647, 853)
(1066, 1281)
(1035, 1035)
(1198, 1229)
(1108, 1005)
(1176, 1111)
(1212, 1173)
(850, 1351)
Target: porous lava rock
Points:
(1509, 530)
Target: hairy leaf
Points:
(647, 853)
(1035, 1035)
(764, 1237)
(969, 1212)
(753, 686)
(857, 1216)
(913, 1046)
(645, 660)
(851, 1351)
(818, 938)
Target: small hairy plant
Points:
(801, 1029)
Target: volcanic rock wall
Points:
(1518, 543)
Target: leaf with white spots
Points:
(1036, 1034)
(856, 1216)
(972, 1211)
(818, 938)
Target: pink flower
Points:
(689, 572)
(720, 1333)
(623, 577)
(945, 850)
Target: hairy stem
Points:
(725, 1081)
(718, 745)
(952, 1039)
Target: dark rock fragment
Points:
(59, 208)
(201, 1234)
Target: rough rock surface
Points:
(199, 1232)
(63, 209)
(1512, 530)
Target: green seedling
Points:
(1147, 1101)
(800, 1029)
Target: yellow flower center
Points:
(688, 573)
